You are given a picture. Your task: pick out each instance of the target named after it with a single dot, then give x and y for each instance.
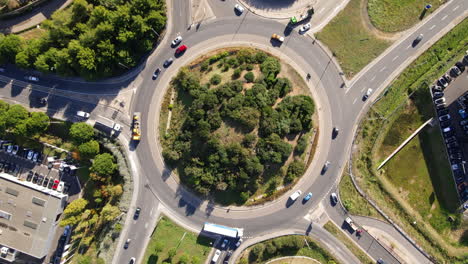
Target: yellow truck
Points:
(136, 126)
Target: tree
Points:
(109, 212)
(89, 149)
(215, 79)
(10, 45)
(257, 252)
(295, 169)
(36, 124)
(184, 259)
(81, 132)
(15, 115)
(103, 165)
(273, 149)
(75, 207)
(270, 66)
(249, 77)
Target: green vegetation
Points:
(357, 251)
(286, 246)
(398, 15)
(11, 5)
(348, 39)
(416, 186)
(92, 39)
(171, 243)
(17, 120)
(353, 201)
(230, 139)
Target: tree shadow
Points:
(153, 259)
(270, 5)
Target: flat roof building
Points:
(29, 216)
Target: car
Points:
(440, 101)
(465, 127)
(30, 175)
(168, 62)
(442, 82)
(30, 155)
(304, 28)
(55, 185)
(224, 244)
(238, 8)
(15, 149)
(380, 261)
(132, 261)
(450, 139)
(452, 145)
(127, 243)
(418, 39)
(447, 78)
(444, 117)
(46, 182)
(335, 132)
(463, 122)
(117, 127)
(34, 178)
(456, 156)
(436, 88)
(2, 69)
(368, 93)
(445, 123)
(460, 66)
(228, 256)
(35, 157)
(307, 197)
(436, 95)
(9, 148)
(443, 112)
(82, 114)
(32, 78)
(277, 38)
(40, 178)
(239, 242)
(137, 213)
(440, 106)
(43, 101)
(325, 167)
(334, 198)
(60, 186)
(180, 50)
(455, 71)
(216, 256)
(176, 41)
(156, 73)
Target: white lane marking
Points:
(146, 225)
(455, 8)
(363, 89)
(373, 78)
(383, 69)
(151, 212)
(444, 17)
(354, 100)
(396, 57)
(432, 27)
(409, 46)
(347, 90)
(321, 10)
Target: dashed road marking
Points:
(373, 78)
(432, 27)
(383, 69)
(362, 90)
(409, 46)
(321, 10)
(396, 57)
(444, 17)
(455, 8)
(354, 100)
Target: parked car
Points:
(30, 155)
(137, 213)
(176, 41)
(304, 28)
(224, 244)
(15, 149)
(156, 73)
(238, 8)
(442, 82)
(35, 157)
(443, 112)
(10, 148)
(452, 145)
(444, 117)
(463, 122)
(456, 156)
(444, 124)
(440, 106)
(180, 50)
(455, 71)
(460, 66)
(55, 185)
(32, 78)
(436, 95)
(440, 101)
(436, 88)
(168, 62)
(60, 186)
(447, 78)
(30, 175)
(228, 256)
(450, 139)
(239, 242)
(46, 182)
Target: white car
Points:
(239, 8)
(216, 256)
(15, 149)
(35, 157)
(295, 195)
(304, 28)
(82, 114)
(30, 155)
(10, 148)
(60, 186)
(117, 127)
(32, 78)
(176, 41)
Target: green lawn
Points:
(353, 201)
(357, 251)
(352, 44)
(169, 237)
(398, 15)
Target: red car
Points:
(181, 50)
(56, 182)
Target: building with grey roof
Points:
(29, 216)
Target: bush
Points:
(295, 169)
(249, 77)
(81, 132)
(204, 65)
(226, 68)
(301, 144)
(256, 253)
(215, 79)
(89, 149)
(249, 67)
(236, 74)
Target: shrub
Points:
(249, 77)
(236, 74)
(215, 79)
(226, 68)
(257, 252)
(301, 145)
(249, 67)
(204, 65)
(295, 169)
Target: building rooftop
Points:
(28, 215)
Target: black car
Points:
(137, 213)
(228, 256)
(168, 62)
(417, 39)
(445, 124)
(442, 112)
(450, 139)
(335, 132)
(436, 88)
(30, 175)
(447, 78)
(456, 156)
(325, 167)
(455, 71)
(156, 73)
(440, 106)
(460, 66)
(452, 145)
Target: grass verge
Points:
(353, 44)
(357, 251)
(171, 243)
(353, 201)
(398, 15)
(394, 105)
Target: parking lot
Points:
(451, 102)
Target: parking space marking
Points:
(432, 27)
(455, 8)
(354, 100)
(383, 69)
(396, 57)
(444, 17)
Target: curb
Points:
(255, 10)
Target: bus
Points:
(222, 230)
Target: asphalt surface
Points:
(338, 106)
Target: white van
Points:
(295, 195)
(216, 256)
(82, 114)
